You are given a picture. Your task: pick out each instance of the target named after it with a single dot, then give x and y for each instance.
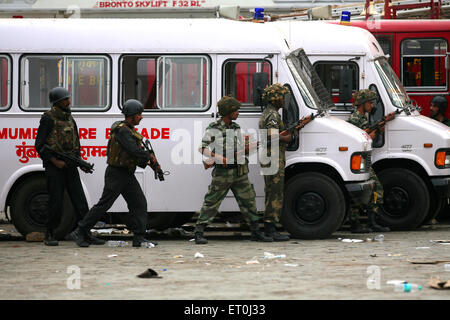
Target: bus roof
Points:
(138, 36)
(317, 37)
(389, 25)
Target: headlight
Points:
(442, 158)
(360, 162)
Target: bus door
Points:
(176, 93)
(238, 75)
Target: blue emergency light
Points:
(345, 17)
(259, 14)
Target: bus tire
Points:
(29, 209)
(314, 206)
(436, 205)
(160, 220)
(406, 200)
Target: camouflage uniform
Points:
(274, 183)
(361, 121)
(234, 176)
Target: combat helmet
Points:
(363, 96)
(274, 94)
(440, 102)
(132, 107)
(58, 94)
(228, 105)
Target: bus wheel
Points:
(181, 218)
(436, 204)
(160, 220)
(29, 209)
(314, 206)
(406, 200)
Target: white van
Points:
(178, 69)
(406, 157)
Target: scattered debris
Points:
(149, 273)
(422, 248)
(291, 265)
(395, 282)
(394, 255)
(198, 255)
(112, 255)
(35, 237)
(100, 225)
(352, 240)
(423, 261)
(373, 255)
(268, 255)
(253, 261)
(441, 241)
(177, 257)
(147, 244)
(439, 284)
(110, 231)
(447, 267)
(379, 238)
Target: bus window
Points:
(423, 64)
(86, 78)
(139, 80)
(5, 82)
(238, 80)
(329, 73)
(386, 44)
(183, 83)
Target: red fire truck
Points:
(419, 54)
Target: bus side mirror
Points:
(345, 85)
(447, 64)
(260, 81)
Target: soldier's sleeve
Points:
(208, 137)
(45, 127)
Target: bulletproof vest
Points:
(63, 137)
(117, 156)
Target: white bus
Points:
(412, 156)
(178, 69)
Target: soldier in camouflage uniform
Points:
(124, 153)
(221, 144)
(363, 100)
(271, 121)
(438, 106)
(58, 130)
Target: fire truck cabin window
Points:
(423, 64)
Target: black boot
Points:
(357, 227)
(271, 231)
(50, 239)
(374, 225)
(138, 239)
(258, 235)
(93, 240)
(199, 238)
(80, 237)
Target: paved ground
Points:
(233, 268)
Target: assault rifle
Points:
(377, 126)
(159, 174)
(297, 126)
(70, 159)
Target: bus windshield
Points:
(394, 88)
(308, 82)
